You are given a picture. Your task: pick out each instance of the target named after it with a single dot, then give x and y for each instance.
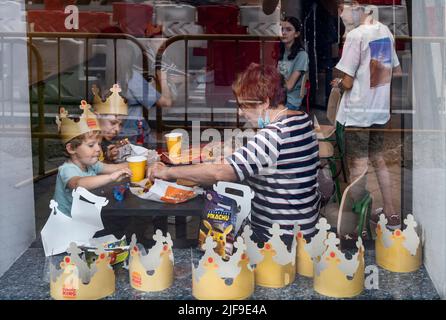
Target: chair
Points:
(353, 211)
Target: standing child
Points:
(293, 61)
(83, 169)
(110, 112)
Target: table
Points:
(132, 206)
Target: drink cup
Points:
(173, 141)
(137, 165)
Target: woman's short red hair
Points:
(259, 83)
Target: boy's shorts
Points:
(363, 142)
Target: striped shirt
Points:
(281, 164)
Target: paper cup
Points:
(137, 165)
(173, 141)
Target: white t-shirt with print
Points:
(369, 57)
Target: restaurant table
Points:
(132, 206)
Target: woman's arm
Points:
(205, 174)
(292, 80)
(165, 100)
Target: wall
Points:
(17, 227)
(429, 140)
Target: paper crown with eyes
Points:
(216, 279)
(398, 251)
(275, 264)
(76, 280)
(113, 104)
(152, 271)
(70, 129)
(335, 275)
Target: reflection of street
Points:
(380, 74)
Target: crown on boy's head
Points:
(113, 104)
(70, 129)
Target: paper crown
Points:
(70, 129)
(216, 279)
(335, 275)
(113, 104)
(398, 251)
(275, 265)
(308, 253)
(152, 271)
(75, 280)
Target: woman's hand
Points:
(158, 170)
(120, 174)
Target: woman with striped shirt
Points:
(280, 163)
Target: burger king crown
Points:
(335, 275)
(70, 129)
(217, 279)
(151, 271)
(75, 280)
(398, 251)
(275, 264)
(113, 104)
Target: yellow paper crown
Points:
(275, 265)
(152, 271)
(308, 253)
(113, 104)
(216, 279)
(70, 129)
(78, 281)
(398, 251)
(335, 275)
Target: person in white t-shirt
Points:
(367, 65)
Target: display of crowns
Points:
(70, 129)
(75, 280)
(335, 275)
(152, 271)
(216, 279)
(275, 264)
(398, 251)
(113, 104)
(308, 253)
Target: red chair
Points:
(132, 17)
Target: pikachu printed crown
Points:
(398, 251)
(75, 280)
(217, 279)
(114, 104)
(335, 275)
(70, 129)
(152, 271)
(275, 264)
(308, 253)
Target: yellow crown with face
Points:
(70, 129)
(114, 104)
(76, 280)
(275, 264)
(398, 251)
(216, 279)
(153, 271)
(335, 275)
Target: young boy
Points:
(83, 169)
(110, 113)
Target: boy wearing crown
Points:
(83, 169)
(110, 113)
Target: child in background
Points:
(110, 112)
(293, 61)
(83, 169)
